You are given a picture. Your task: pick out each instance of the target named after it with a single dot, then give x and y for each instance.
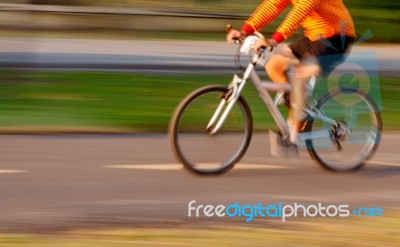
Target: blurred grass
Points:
(90, 101)
(366, 232)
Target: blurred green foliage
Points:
(131, 102)
(382, 17)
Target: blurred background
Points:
(121, 67)
(63, 39)
(381, 17)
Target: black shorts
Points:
(329, 52)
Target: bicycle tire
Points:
(177, 132)
(375, 114)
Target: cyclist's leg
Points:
(314, 57)
(279, 62)
(318, 57)
(302, 74)
(303, 50)
(277, 68)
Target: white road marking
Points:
(173, 167)
(6, 171)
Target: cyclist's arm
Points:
(266, 13)
(295, 18)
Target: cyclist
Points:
(328, 35)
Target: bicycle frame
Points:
(263, 88)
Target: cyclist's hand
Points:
(270, 44)
(232, 35)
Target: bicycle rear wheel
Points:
(346, 147)
(193, 145)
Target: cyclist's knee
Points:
(307, 70)
(276, 65)
(280, 61)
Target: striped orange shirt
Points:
(319, 18)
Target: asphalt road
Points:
(156, 56)
(59, 182)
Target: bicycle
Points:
(344, 119)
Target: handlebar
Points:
(240, 40)
(256, 33)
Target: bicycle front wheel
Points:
(194, 146)
(347, 146)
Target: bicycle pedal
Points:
(280, 150)
(291, 151)
(282, 98)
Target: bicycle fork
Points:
(228, 100)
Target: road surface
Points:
(56, 182)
